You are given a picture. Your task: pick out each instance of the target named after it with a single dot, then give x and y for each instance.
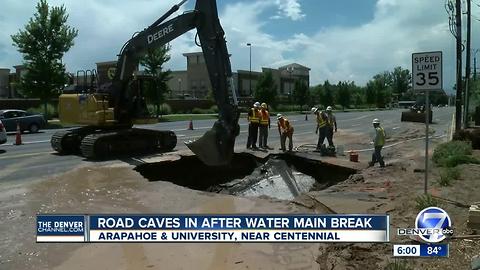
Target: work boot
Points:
(370, 164)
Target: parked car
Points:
(28, 121)
(3, 134)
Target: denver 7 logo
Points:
(434, 222)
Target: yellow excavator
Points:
(107, 113)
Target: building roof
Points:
(106, 63)
(241, 71)
(294, 65)
(192, 54)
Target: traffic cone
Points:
(190, 126)
(18, 137)
(306, 116)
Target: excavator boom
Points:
(215, 148)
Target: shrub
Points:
(424, 201)
(453, 161)
(214, 109)
(445, 179)
(51, 111)
(164, 109)
(286, 108)
(452, 153)
(398, 265)
(201, 111)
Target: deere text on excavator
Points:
(108, 112)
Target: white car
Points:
(3, 134)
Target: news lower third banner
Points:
(213, 228)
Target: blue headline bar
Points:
(219, 222)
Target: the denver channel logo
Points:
(432, 225)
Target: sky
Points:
(339, 40)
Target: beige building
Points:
(194, 83)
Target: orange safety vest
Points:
(284, 124)
(264, 117)
(255, 117)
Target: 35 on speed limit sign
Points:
(427, 71)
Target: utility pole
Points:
(467, 64)
(458, 101)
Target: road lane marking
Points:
(26, 155)
(32, 142)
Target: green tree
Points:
(382, 87)
(401, 80)
(328, 94)
(370, 95)
(153, 62)
(43, 42)
(301, 93)
(344, 93)
(266, 89)
(318, 94)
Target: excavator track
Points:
(66, 141)
(127, 142)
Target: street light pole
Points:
(250, 73)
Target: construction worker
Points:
(253, 120)
(264, 126)
(378, 144)
(321, 129)
(285, 130)
(331, 126)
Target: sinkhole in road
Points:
(282, 176)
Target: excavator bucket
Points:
(215, 147)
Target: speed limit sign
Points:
(427, 71)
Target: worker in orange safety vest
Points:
(286, 131)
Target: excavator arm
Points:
(215, 148)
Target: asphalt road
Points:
(35, 158)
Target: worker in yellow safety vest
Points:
(321, 129)
(331, 126)
(254, 121)
(378, 144)
(286, 131)
(264, 126)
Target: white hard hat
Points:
(329, 108)
(279, 116)
(376, 121)
(314, 109)
(256, 104)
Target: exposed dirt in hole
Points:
(190, 172)
(282, 176)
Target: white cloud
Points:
(398, 28)
(290, 9)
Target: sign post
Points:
(427, 75)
